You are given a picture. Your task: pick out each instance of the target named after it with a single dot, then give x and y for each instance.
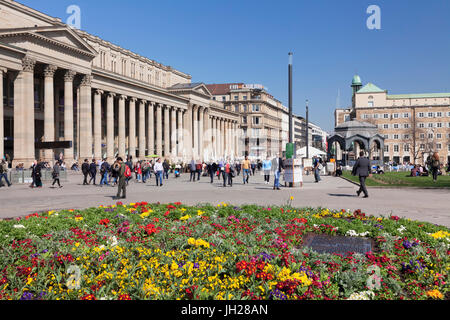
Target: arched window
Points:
(370, 102)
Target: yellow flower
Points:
(440, 234)
(292, 198)
(186, 217)
(435, 294)
(78, 218)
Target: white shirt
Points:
(158, 167)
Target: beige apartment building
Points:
(263, 131)
(62, 84)
(413, 125)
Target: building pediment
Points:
(59, 36)
(191, 88)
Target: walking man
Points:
(362, 169)
(122, 186)
(93, 171)
(55, 174)
(4, 172)
(85, 170)
(245, 169)
(267, 166)
(277, 168)
(159, 172)
(193, 169)
(104, 170)
(316, 164)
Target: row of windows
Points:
(406, 115)
(419, 125)
(438, 114)
(159, 78)
(245, 108)
(255, 120)
(407, 147)
(421, 136)
(433, 125)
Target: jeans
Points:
(435, 173)
(192, 176)
(245, 172)
(317, 175)
(277, 179)
(104, 179)
(199, 172)
(166, 174)
(138, 176)
(5, 175)
(159, 177)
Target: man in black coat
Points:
(93, 171)
(362, 169)
(85, 170)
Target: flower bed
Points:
(156, 251)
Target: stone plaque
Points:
(323, 243)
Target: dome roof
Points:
(356, 81)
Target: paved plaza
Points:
(430, 205)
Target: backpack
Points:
(435, 163)
(127, 172)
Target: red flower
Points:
(167, 213)
(119, 203)
(104, 222)
(89, 297)
(124, 297)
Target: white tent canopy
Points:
(312, 152)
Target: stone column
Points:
(220, 138)
(121, 125)
(68, 113)
(2, 130)
(213, 137)
(98, 124)
(159, 149)
(180, 133)
(166, 132)
(217, 138)
(132, 129)
(85, 114)
(151, 129)
(49, 110)
(187, 139)
(201, 133)
(236, 140)
(173, 133)
(24, 151)
(110, 127)
(142, 129)
(195, 133)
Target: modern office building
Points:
(413, 125)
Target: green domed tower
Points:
(356, 83)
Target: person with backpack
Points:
(435, 165)
(229, 173)
(104, 172)
(122, 171)
(145, 171)
(129, 164)
(55, 174)
(166, 168)
(4, 172)
(158, 172)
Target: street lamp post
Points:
(307, 129)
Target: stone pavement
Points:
(333, 193)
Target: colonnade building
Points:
(62, 84)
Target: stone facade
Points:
(264, 132)
(62, 84)
(413, 125)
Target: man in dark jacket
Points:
(277, 168)
(85, 170)
(93, 171)
(104, 172)
(122, 185)
(362, 169)
(193, 170)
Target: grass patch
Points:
(401, 179)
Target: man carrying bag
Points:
(362, 169)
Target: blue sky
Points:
(249, 40)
